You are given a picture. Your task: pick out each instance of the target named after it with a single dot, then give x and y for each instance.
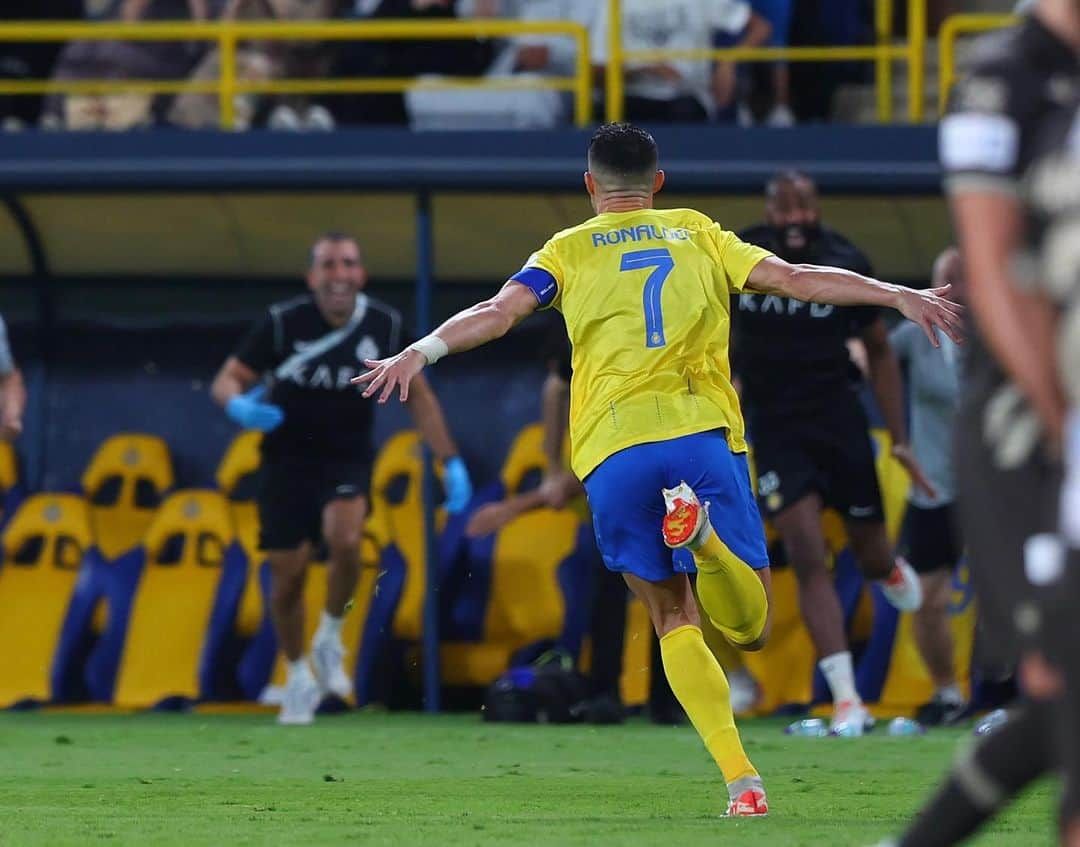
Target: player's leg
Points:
(799, 526)
(699, 685)
(712, 513)
(745, 691)
(342, 530)
(607, 627)
(932, 552)
(286, 512)
(628, 510)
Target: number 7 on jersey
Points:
(662, 265)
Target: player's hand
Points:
(388, 374)
(902, 453)
(490, 518)
(559, 488)
(931, 310)
(458, 486)
(250, 412)
(10, 427)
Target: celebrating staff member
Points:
(318, 450)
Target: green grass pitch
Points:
(453, 781)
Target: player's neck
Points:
(1062, 19)
(336, 319)
(623, 201)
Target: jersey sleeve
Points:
(979, 139)
(730, 16)
(542, 275)
(258, 349)
(737, 258)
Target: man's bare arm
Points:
(470, 328)
(817, 284)
(1019, 327)
(234, 378)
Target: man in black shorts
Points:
(1012, 410)
(318, 450)
(812, 447)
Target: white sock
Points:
(329, 626)
(840, 674)
(949, 694)
(296, 670)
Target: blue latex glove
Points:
(457, 484)
(250, 412)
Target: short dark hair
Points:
(623, 151)
(334, 236)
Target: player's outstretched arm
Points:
(470, 328)
(816, 284)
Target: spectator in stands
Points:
(931, 529)
(12, 390)
(778, 14)
(457, 57)
(265, 60)
(29, 60)
(115, 60)
(678, 90)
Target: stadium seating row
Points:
(138, 597)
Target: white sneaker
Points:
(780, 116)
(328, 659)
(850, 719)
(902, 587)
(299, 700)
(319, 118)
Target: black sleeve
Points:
(259, 348)
(981, 138)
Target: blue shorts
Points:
(627, 507)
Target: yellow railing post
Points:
(613, 74)
(227, 77)
(883, 13)
(916, 27)
(583, 81)
(952, 27)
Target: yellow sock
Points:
(730, 658)
(701, 687)
(729, 591)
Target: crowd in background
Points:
(675, 91)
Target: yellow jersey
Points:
(646, 297)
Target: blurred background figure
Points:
(318, 451)
(266, 60)
(114, 60)
(932, 541)
(810, 433)
(12, 390)
(678, 91)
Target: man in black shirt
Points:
(318, 450)
(810, 435)
(1012, 412)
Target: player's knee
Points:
(344, 546)
(286, 590)
(667, 618)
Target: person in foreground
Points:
(655, 426)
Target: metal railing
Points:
(227, 35)
(882, 54)
(952, 28)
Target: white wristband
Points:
(431, 347)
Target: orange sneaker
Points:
(686, 519)
(750, 803)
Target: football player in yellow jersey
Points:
(655, 425)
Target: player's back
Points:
(645, 295)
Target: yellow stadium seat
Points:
(124, 483)
(43, 547)
(170, 616)
(236, 478)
